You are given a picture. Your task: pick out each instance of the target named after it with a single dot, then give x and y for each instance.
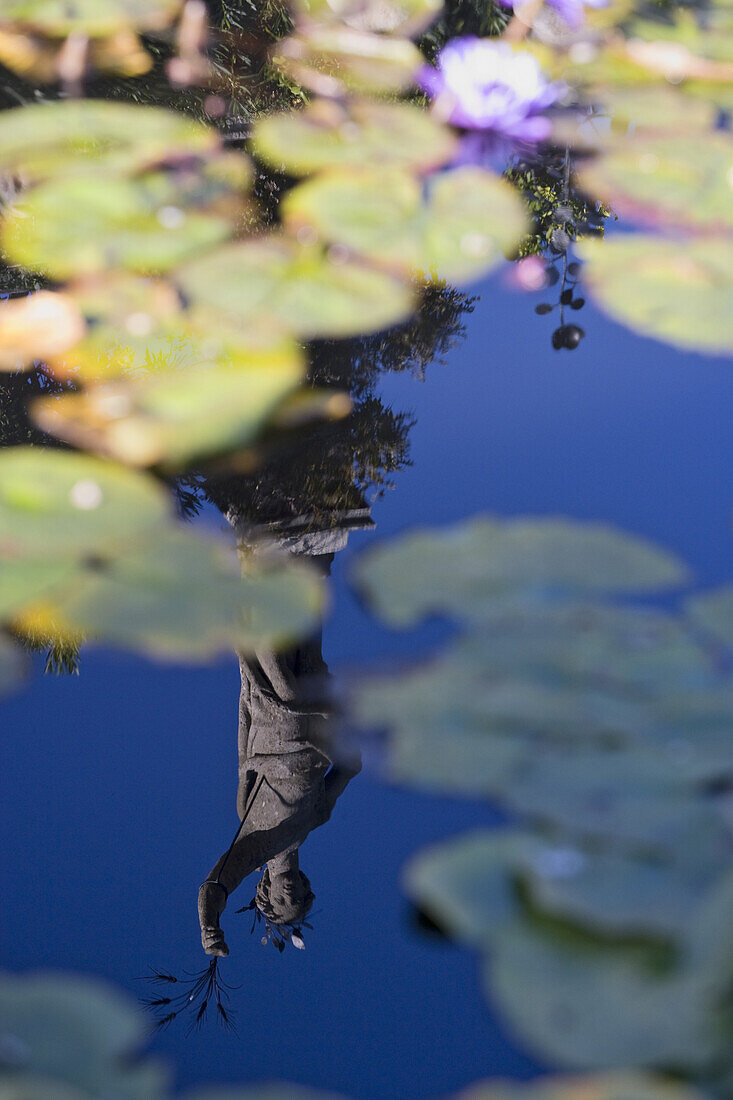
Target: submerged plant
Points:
(196, 996)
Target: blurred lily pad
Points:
(329, 135)
(602, 1086)
(177, 412)
(94, 18)
(54, 503)
(299, 288)
(667, 178)
(378, 16)
(78, 226)
(81, 136)
(331, 60)
(181, 596)
(40, 326)
(676, 291)
(464, 570)
(469, 219)
(713, 613)
(76, 1031)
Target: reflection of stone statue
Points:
(288, 782)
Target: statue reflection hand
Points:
(213, 942)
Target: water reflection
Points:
(290, 778)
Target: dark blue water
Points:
(118, 786)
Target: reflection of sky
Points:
(118, 787)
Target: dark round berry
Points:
(572, 335)
(552, 275)
(566, 297)
(543, 307)
(558, 338)
(574, 269)
(578, 303)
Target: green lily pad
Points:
(713, 613)
(602, 1086)
(469, 219)
(57, 504)
(407, 17)
(600, 1006)
(678, 292)
(329, 135)
(79, 1032)
(31, 1088)
(465, 570)
(81, 136)
(79, 226)
(297, 287)
(573, 996)
(181, 596)
(95, 18)
(174, 413)
(331, 60)
(667, 178)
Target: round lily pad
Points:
(182, 596)
(79, 1032)
(676, 291)
(78, 226)
(407, 17)
(55, 503)
(176, 411)
(464, 570)
(40, 326)
(300, 288)
(329, 135)
(681, 180)
(95, 18)
(330, 60)
(459, 233)
(712, 612)
(601, 1086)
(78, 136)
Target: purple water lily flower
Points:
(480, 84)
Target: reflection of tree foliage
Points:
(330, 467)
(464, 17)
(554, 208)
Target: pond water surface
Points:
(118, 787)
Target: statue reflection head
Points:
(284, 897)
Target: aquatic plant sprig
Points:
(202, 993)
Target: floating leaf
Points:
(79, 1032)
(602, 1086)
(469, 219)
(463, 570)
(179, 595)
(81, 136)
(300, 288)
(54, 503)
(78, 226)
(330, 135)
(40, 326)
(713, 613)
(408, 17)
(667, 178)
(178, 411)
(330, 60)
(677, 291)
(601, 1006)
(94, 18)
